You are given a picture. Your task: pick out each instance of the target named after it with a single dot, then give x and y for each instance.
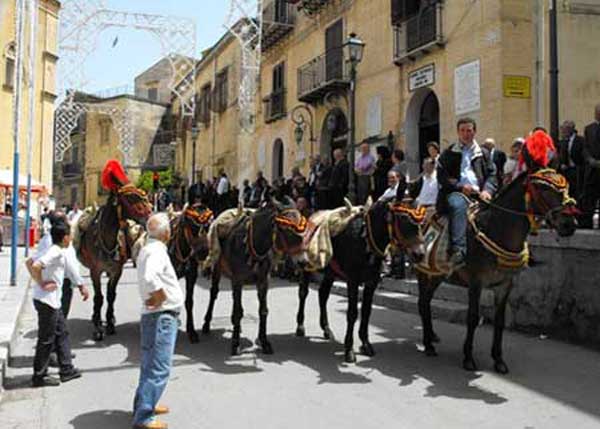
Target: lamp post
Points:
(195, 133)
(299, 117)
(354, 48)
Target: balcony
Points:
(279, 18)
(323, 74)
(310, 7)
(419, 35)
(275, 107)
(71, 169)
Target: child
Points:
(48, 272)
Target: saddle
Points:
(436, 240)
(220, 229)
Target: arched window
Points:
(9, 68)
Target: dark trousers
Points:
(67, 297)
(574, 176)
(52, 334)
(590, 197)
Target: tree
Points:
(165, 179)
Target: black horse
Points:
(188, 247)
(246, 258)
(497, 251)
(358, 253)
(101, 252)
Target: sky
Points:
(135, 50)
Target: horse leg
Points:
(302, 294)
(98, 301)
(351, 316)
(111, 296)
(427, 288)
(191, 276)
(214, 292)
(324, 292)
(236, 317)
(472, 322)
(367, 304)
(500, 298)
(263, 311)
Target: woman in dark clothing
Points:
(383, 165)
(323, 176)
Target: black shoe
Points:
(53, 361)
(45, 381)
(71, 375)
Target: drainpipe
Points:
(539, 62)
(554, 97)
(214, 120)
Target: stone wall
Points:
(561, 296)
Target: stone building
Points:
(45, 89)
(154, 83)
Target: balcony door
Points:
(334, 51)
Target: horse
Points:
(246, 258)
(358, 252)
(188, 247)
(497, 250)
(101, 252)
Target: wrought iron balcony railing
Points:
(279, 18)
(419, 35)
(325, 73)
(275, 107)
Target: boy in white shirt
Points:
(48, 272)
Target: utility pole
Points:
(17, 88)
(554, 100)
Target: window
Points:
(75, 153)
(277, 107)
(9, 71)
(105, 125)
(74, 195)
(402, 10)
(220, 94)
(204, 104)
(153, 94)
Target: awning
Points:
(6, 181)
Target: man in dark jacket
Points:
(572, 162)
(338, 183)
(498, 157)
(591, 187)
(465, 169)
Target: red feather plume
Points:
(113, 176)
(538, 146)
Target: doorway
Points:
(334, 133)
(277, 161)
(422, 127)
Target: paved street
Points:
(305, 384)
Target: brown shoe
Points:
(153, 425)
(161, 409)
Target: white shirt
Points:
(389, 194)
(55, 265)
(155, 272)
(467, 174)
(571, 140)
(223, 186)
(429, 190)
(73, 273)
(74, 216)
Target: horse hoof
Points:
(267, 348)
(430, 351)
(469, 364)
(110, 330)
(435, 338)
(300, 331)
(193, 337)
(350, 357)
(327, 334)
(367, 350)
(500, 367)
(206, 328)
(98, 336)
(236, 350)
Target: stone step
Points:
(449, 311)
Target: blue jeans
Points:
(458, 222)
(159, 334)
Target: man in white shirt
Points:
(162, 300)
(390, 193)
(48, 272)
(74, 214)
(428, 184)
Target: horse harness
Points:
(283, 222)
(200, 220)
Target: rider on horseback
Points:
(464, 170)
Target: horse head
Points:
(405, 221)
(133, 204)
(290, 228)
(547, 196)
(195, 221)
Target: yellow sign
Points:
(517, 86)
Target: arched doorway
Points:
(334, 133)
(277, 160)
(422, 127)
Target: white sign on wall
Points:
(425, 76)
(374, 116)
(467, 88)
(163, 155)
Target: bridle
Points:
(297, 228)
(201, 220)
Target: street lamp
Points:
(195, 133)
(354, 49)
(300, 114)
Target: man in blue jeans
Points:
(162, 299)
(464, 170)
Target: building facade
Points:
(45, 89)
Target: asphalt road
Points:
(305, 384)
